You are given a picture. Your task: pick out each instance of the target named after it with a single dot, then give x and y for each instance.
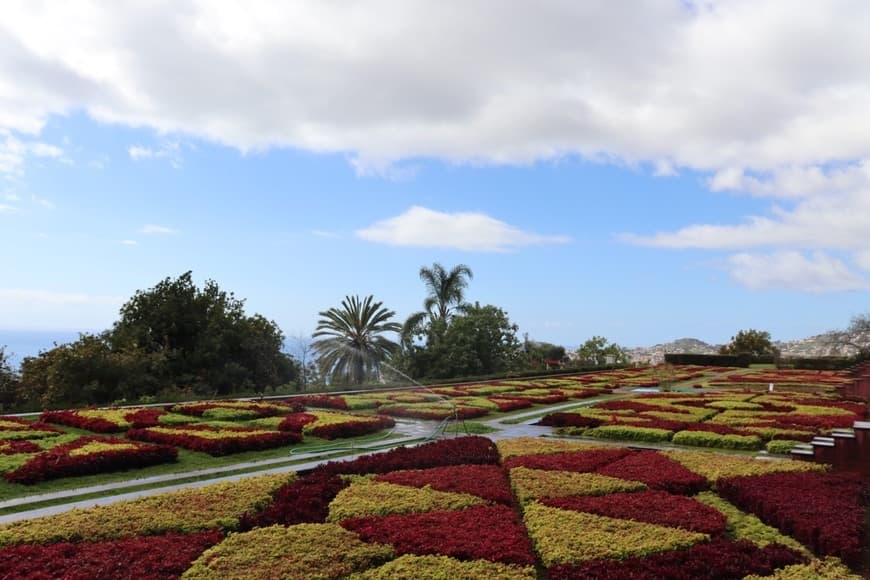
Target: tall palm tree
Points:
(351, 346)
(446, 289)
(446, 294)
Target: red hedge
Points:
(718, 560)
(569, 420)
(305, 500)
(352, 428)
(657, 471)
(506, 404)
(420, 413)
(652, 507)
(482, 533)
(215, 447)
(824, 511)
(324, 401)
(296, 422)
(57, 462)
(486, 481)
(146, 557)
(16, 447)
(145, 417)
(816, 421)
(73, 419)
(579, 461)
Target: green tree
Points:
(482, 340)
(203, 337)
(597, 351)
(538, 354)
(9, 384)
(752, 342)
(446, 294)
(350, 344)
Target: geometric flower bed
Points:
(332, 425)
(727, 420)
(215, 441)
(90, 455)
(443, 509)
(14, 429)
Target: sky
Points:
(643, 171)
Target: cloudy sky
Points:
(643, 170)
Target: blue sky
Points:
(296, 155)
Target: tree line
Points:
(177, 340)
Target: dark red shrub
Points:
(145, 417)
(657, 471)
(73, 419)
(569, 420)
(579, 461)
(486, 481)
(58, 462)
(219, 446)
(144, 557)
(652, 507)
(822, 510)
(16, 447)
(351, 428)
(425, 413)
(718, 560)
(324, 401)
(505, 405)
(815, 421)
(296, 422)
(480, 533)
(305, 500)
(472, 450)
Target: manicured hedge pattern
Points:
(488, 533)
(214, 441)
(137, 558)
(657, 471)
(652, 507)
(485, 481)
(114, 455)
(580, 462)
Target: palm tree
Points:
(446, 294)
(351, 347)
(446, 289)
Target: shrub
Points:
(569, 420)
(656, 471)
(823, 511)
(714, 466)
(443, 567)
(372, 498)
(580, 461)
(531, 484)
(87, 456)
(537, 446)
(652, 507)
(630, 433)
(706, 439)
(304, 500)
(489, 533)
(184, 511)
(602, 537)
(486, 481)
(719, 560)
(300, 551)
(215, 441)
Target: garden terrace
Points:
(519, 508)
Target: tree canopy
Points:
(752, 342)
(172, 337)
(598, 351)
(351, 344)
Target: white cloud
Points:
(325, 234)
(11, 197)
(6, 208)
(129, 243)
(791, 270)
(155, 229)
(470, 231)
(14, 152)
(42, 202)
(169, 150)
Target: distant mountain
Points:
(828, 344)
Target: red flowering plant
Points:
(824, 511)
(215, 441)
(569, 420)
(657, 471)
(651, 506)
(478, 533)
(16, 447)
(580, 461)
(79, 421)
(717, 560)
(141, 557)
(89, 455)
(486, 481)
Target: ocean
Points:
(23, 343)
